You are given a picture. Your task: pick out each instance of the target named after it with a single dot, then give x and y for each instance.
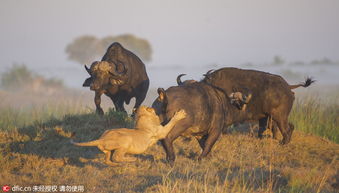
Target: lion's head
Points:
(146, 115)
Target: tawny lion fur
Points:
(148, 130)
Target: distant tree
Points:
(322, 61)
(140, 47)
(278, 60)
(16, 77)
(86, 49)
(19, 76)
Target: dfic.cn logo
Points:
(6, 188)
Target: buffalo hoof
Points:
(286, 139)
(260, 136)
(266, 137)
(274, 136)
(282, 142)
(170, 163)
(201, 158)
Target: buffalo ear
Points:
(87, 82)
(114, 81)
(162, 95)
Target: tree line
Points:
(87, 48)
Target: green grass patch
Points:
(320, 118)
(14, 118)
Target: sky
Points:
(182, 33)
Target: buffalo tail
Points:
(305, 84)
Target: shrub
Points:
(19, 76)
(16, 77)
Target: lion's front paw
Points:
(180, 114)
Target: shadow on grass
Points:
(51, 139)
(249, 128)
(256, 179)
(150, 181)
(145, 157)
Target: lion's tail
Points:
(90, 143)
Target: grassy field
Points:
(35, 150)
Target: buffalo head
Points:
(104, 75)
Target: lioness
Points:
(148, 130)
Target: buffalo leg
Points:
(291, 129)
(284, 129)
(167, 143)
(265, 123)
(118, 103)
(97, 101)
(202, 141)
(274, 129)
(115, 102)
(272, 125)
(210, 141)
(138, 101)
(262, 127)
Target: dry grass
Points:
(35, 150)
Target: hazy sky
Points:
(181, 32)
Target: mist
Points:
(186, 37)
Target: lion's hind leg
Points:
(108, 159)
(108, 154)
(120, 156)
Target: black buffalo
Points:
(120, 75)
(270, 96)
(209, 108)
(205, 118)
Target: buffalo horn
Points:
(208, 73)
(116, 73)
(88, 70)
(179, 80)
